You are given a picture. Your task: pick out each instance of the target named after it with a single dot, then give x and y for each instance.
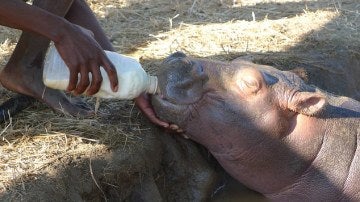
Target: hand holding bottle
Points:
(134, 82)
(83, 55)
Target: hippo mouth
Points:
(165, 102)
(168, 110)
(171, 109)
(166, 95)
(181, 81)
(181, 86)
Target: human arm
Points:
(80, 51)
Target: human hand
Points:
(82, 54)
(143, 103)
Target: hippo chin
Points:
(266, 127)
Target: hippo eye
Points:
(270, 80)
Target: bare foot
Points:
(28, 81)
(23, 74)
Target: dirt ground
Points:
(47, 156)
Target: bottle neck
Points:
(152, 86)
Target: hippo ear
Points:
(249, 81)
(308, 103)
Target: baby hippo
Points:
(268, 129)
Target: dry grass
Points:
(151, 30)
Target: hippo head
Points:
(266, 127)
(236, 95)
(241, 111)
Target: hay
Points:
(38, 138)
(150, 31)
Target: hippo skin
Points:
(268, 129)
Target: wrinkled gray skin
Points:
(267, 128)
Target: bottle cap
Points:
(153, 85)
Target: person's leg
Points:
(23, 72)
(81, 14)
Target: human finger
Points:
(95, 81)
(112, 74)
(73, 79)
(143, 103)
(176, 128)
(83, 83)
(150, 114)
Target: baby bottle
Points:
(133, 80)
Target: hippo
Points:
(267, 128)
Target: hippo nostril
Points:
(198, 71)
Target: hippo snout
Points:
(186, 68)
(181, 82)
(174, 56)
(181, 79)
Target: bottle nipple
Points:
(152, 85)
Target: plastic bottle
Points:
(133, 80)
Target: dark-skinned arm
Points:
(77, 47)
(80, 51)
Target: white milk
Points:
(133, 80)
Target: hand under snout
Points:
(143, 103)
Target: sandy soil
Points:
(47, 156)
